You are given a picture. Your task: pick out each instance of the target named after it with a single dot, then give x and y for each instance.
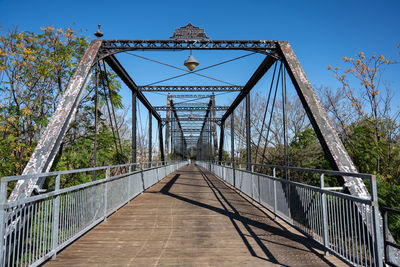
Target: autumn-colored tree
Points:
(370, 99)
(34, 72)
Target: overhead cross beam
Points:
(192, 119)
(163, 108)
(116, 46)
(191, 96)
(194, 130)
(189, 88)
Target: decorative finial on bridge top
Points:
(98, 33)
(189, 32)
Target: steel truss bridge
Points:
(344, 224)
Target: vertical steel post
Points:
(182, 146)
(167, 126)
(378, 242)
(232, 140)
(150, 137)
(3, 214)
(221, 142)
(56, 216)
(248, 133)
(134, 147)
(324, 215)
(161, 142)
(214, 128)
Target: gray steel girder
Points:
(47, 148)
(329, 139)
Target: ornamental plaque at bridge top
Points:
(189, 32)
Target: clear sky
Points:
(321, 32)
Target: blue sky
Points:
(321, 32)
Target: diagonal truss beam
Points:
(329, 139)
(113, 62)
(173, 108)
(207, 114)
(47, 148)
(258, 74)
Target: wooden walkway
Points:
(192, 218)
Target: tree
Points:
(35, 69)
(371, 100)
(34, 72)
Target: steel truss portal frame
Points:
(275, 50)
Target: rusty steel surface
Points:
(50, 141)
(192, 218)
(115, 46)
(329, 139)
(184, 108)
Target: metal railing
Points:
(36, 228)
(346, 225)
(389, 242)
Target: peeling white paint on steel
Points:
(49, 143)
(337, 150)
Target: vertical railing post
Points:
(385, 233)
(324, 215)
(56, 216)
(378, 242)
(3, 199)
(129, 182)
(275, 202)
(105, 192)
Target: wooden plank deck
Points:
(192, 218)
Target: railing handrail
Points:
(73, 188)
(319, 189)
(336, 173)
(366, 209)
(66, 214)
(391, 210)
(55, 173)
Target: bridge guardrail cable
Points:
(346, 225)
(34, 229)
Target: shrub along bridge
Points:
(207, 212)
